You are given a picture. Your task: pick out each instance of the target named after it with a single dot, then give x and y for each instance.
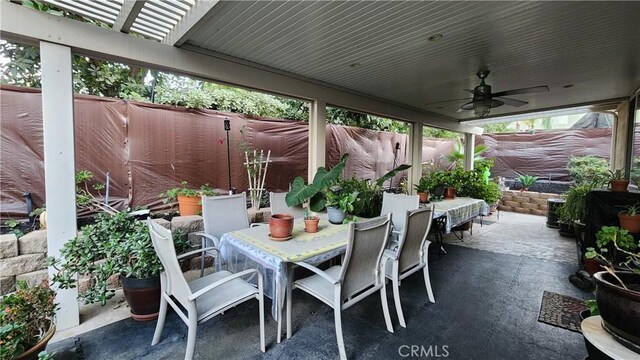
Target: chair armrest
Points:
(224, 281)
(199, 251)
(389, 254)
(216, 241)
(323, 274)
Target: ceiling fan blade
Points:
(529, 90)
(467, 106)
(511, 102)
(448, 101)
(470, 91)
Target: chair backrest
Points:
(174, 282)
(225, 213)
(412, 242)
(279, 205)
(397, 205)
(367, 241)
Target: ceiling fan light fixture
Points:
(481, 108)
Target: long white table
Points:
(459, 210)
(252, 248)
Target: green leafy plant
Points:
(456, 156)
(588, 169)
(173, 193)
(301, 192)
(114, 244)
(14, 226)
(575, 206)
(612, 237)
(592, 305)
(632, 210)
(86, 186)
(424, 185)
(527, 180)
(616, 175)
(25, 317)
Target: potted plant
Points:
(301, 193)
(618, 288)
(339, 202)
(189, 200)
(630, 219)
(310, 222)
(280, 227)
(527, 181)
(422, 188)
(26, 321)
(617, 182)
(115, 244)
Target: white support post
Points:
(415, 156)
(469, 151)
(59, 164)
(317, 137)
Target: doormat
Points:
(561, 310)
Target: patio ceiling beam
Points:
(18, 23)
(191, 19)
(128, 14)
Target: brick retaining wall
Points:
(526, 202)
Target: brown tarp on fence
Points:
(147, 148)
(547, 153)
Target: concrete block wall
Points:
(24, 258)
(526, 202)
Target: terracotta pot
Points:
(32, 354)
(143, 297)
(629, 222)
(311, 225)
(189, 205)
(424, 196)
(620, 307)
(450, 193)
(591, 266)
(280, 225)
(619, 185)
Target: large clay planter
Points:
(143, 297)
(620, 307)
(280, 225)
(424, 196)
(619, 185)
(629, 222)
(311, 224)
(189, 205)
(32, 354)
(449, 192)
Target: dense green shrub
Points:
(586, 169)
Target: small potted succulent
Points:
(26, 321)
(310, 222)
(189, 199)
(617, 181)
(630, 219)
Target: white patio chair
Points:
(279, 205)
(361, 275)
(203, 298)
(221, 214)
(397, 205)
(411, 255)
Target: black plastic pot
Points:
(620, 307)
(143, 297)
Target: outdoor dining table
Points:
(252, 248)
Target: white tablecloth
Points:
(459, 210)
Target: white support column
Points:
(415, 156)
(469, 151)
(59, 164)
(317, 136)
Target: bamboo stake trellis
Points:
(257, 174)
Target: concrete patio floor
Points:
(487, 306)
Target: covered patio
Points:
(407, 61)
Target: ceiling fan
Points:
(483, 100)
